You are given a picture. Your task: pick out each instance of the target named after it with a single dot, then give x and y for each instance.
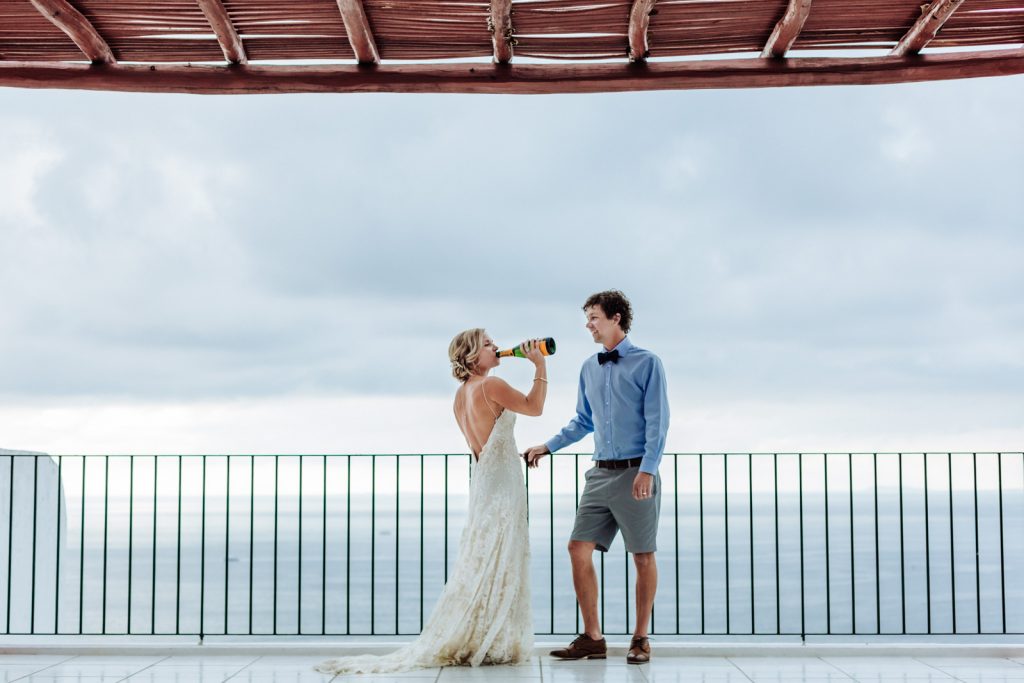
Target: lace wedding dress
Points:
(483, 615)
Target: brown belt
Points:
(619, 464)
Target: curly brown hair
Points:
(611, 302)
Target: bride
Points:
(483, 615)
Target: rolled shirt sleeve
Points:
(656, 417)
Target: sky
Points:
(829, 268)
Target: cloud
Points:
(807, 248)
(29, 155)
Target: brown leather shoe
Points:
(584, 647)
(639, 651)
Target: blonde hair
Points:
(464, 351)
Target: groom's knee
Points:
(643, 560)
(581, 550)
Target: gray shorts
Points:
(607, 505)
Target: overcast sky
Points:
(819, 268)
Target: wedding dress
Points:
(483, 615)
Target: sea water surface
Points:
(341, 560)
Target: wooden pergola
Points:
(501, 46)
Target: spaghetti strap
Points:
(483, 385)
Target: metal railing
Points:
(749, 544)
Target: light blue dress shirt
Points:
(625, 405)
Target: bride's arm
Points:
(502, 393)
(532, 403)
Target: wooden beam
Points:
(932, 18)
(227, 36)
(499, 24)
(639, 21)
(360, 35)
(788, 28)
(79, 29)
(514, 79)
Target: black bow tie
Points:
(612, 356)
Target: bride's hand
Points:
(532, 350)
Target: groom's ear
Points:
(617, 319)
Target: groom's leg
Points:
(584, 580)
(638, 520)
(646, 587)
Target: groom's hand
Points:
(643, 486)
(534, 454)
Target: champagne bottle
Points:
(546, 346)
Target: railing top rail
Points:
(466, 454)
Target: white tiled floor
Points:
(691, 669)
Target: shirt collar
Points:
(624, 346)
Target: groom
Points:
(622, 400)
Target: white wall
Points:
(33, 511)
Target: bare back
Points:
(476, 414)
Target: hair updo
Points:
(464, 351)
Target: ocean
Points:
(375, 564)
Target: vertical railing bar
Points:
(551, 539)
(927, 546)
(625, 574)
(348, 544)
(398, 465)
(446, 515)
(853, 562)
(131, 532)
(977, 554)
(725, 481)
(750, 482)
(277, 478)
(252, 529)
(1002, 556)
(10, 541)
(35, 517)
(700, 500)
(373, 543)
(202, 555)
(602, 594)
(576, 507)
(56, 574)
(903, 564)
(152, 583)
(323, 556)
(878, 580)
(675, 489)
(828, 556)
(81, 556)
(422, 504)
(106, 508)
(800, 495)
(227, 536)
(952, 546)
(177, 575)
(778, 592)
(298, 574)
(527, 484)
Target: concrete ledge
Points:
(670, 647)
